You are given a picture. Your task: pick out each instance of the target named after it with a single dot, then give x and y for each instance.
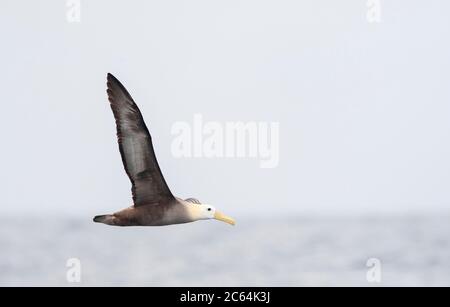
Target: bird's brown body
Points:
(175, 212)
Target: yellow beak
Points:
(222, 217)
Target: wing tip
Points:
(112, 80)
(115, 85)
(110, 83)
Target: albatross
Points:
(153, 203)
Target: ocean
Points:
(314, 251)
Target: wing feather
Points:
(136, 148)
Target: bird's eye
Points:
(209, 209)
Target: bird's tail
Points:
(105, 219)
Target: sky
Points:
(363, 107)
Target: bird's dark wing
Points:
(136, 149)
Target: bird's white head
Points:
(207, 212)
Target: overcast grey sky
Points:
(363, 107)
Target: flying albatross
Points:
(154, 204)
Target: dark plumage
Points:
(136, 149)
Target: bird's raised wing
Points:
(136, 149)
